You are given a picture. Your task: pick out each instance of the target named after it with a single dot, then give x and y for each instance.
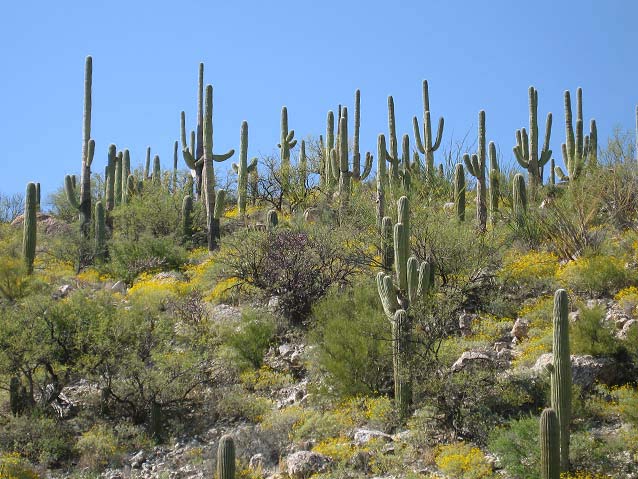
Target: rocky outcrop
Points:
(303, 464)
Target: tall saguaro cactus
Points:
(578, 150)
(243, 169)
(187, 219)
(519, 197)
(494, 183)
(428, 147)
(412, 281)
(286, 143)
(100, 230)
(476, 166)
(208, 171)
(327, 174)
(561, 374)
(381, 178)
(357, 175)
(110, 178)
(30, 227)
(195, 153)
(226, 458)
(526, 149)
(459, 192)
(392, 155)
(175, 159)
(550, 445)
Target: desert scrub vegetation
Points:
(392, 312)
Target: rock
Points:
(273, 304)
(465, 323)
(629, 327)
(617, 316)
(520, 329)
(285, 350)
(574, 316)
(363, 436)
(470, 359)
(138, 459)
(63, 291)
(303, 464)
(119, 287)
(224, 312)
(448, 207)
(257, 463)
(169, 276)
(312, 215)
(586, 369)
(501, 345)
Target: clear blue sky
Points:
(310, 56)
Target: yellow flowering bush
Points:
(463, 461)
(532, 269)
(626, 403)
(151, 285)
(13, 466)
(628, 299)
(224, 291)
(595, 274)
(98, 447)
(338, 448)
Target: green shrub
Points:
(98, 447)
(39, 439)
(12, 466)
(351, 340)
(251, 338)
(517, 447)
(596, 275)
(590, 335)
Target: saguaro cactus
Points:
(125, 172)
(428, 148)
(494, 183)
(476, 166)
(220, 197)
(550, 445)
(195, 153)
(175, 159)
(37, 196)
(526, 149)
(357, 175)
(577, 150)
(286, 143)
(147, 163)
(118, 177)
(157, 170)
(519, 197)
(30, 227)
(187, 219)
(85, 191)
(88, 148)
(243, 169)
(459, 192)
(208, 171)
(327, 174)
(110, 178)
(392, 155)
(381, 178)
(100, 230)
(226, 458)
(561, 374)
(411, 283)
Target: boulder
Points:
(520, 329)
(628, 328)
(303, 464)
(586, 369)
(363, 436)
(471, 359)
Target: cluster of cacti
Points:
(243, 169)
(428, 148)
(476, 166)
(29, 235)
(412, 281)
(226, 458)
(578, 150)
(526, 149)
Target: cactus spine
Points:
(243, 169)
(578, 151)
(519, 197)
(428, 148)
(226, 458)
(286, 143)
(459, 192)
(550, 445)
(526, 149)
(411, 283)
(187, 219)
(29, 234)
(561, 374)
(208, 171)
(476, 166)
(100, 230)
